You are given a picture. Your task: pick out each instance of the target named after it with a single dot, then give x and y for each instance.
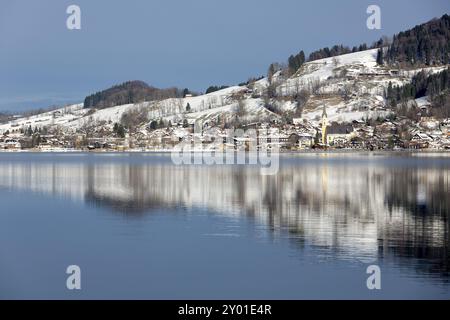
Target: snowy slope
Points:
(351, 86)
(324, 68)
(59, 117)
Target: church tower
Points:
(324, 125)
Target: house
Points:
(287, 141)
(272, 140)
(297, 121)
(421, 137)
(418, 145)
(357, 142)
(293, 140)
(387, 128)
(420, 141)
(394, 73)
(445, 127)
(305, 141)
(168, 139)
(339, 134)
(244, 143)
(11, 144)
(359, 124)
(57, 114)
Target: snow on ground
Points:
(212, 100)
(355, 76)
(62, 116)
(324, 68)
(253, 110)
(423, 102)
(108, 115)
(367, 107)
(315, 72)
(428, 70)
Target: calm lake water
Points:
(141, 227)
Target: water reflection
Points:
(365, 208)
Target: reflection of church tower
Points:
(324, 125)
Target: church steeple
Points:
(324, 125)
(324, 113)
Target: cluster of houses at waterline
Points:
(301, 134)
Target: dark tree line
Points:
(296, 61)
(422, 84)
(215, 88)
(129, 92)
(250, 80)
(336, 50)
(428, 44)
(435, 86)
(29, 131)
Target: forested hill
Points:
(129, 92)
(427, 44)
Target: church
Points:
(336, 134)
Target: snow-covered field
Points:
(355, 76)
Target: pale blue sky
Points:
(185, 43)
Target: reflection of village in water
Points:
(392, 209)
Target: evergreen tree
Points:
(422, 84)
(153, 125)
(380, 59)
(295, 62)
(428, 44)
(121, 131)
(271, 72)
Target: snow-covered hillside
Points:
(350, 86)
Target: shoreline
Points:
(287, 152)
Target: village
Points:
(346, 102)
(300, 135)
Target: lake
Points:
(141, 227)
